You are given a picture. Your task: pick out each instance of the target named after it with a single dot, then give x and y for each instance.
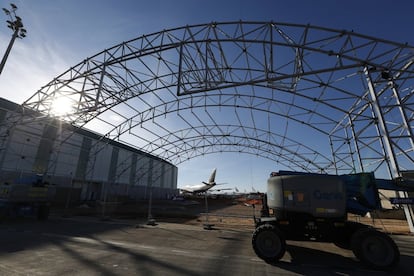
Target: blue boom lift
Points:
(314, 207)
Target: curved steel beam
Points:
(294, 74)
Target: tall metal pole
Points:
(389, 150)
(151, 220)
(3, 61)
(15, 23)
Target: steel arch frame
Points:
(292, 154)
(315, 72)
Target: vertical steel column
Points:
(333, 154)
(354, 137)
(389, 151)
(151, 220)
(408, 210)
(402, 111)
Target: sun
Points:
(61, 106)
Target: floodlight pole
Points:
(3, 61)
(15, 23)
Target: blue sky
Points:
(61, 33)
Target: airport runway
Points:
(89, 246)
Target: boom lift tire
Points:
(3, 213)
(343, 240)
(269, 243)
(375, 249)
(43, 212)
(343, 244)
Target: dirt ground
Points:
(222, 213)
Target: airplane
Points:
(204, 187)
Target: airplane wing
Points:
(219, 190)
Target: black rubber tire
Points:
(43, 212)
(3, 213)
(343, 244)
(375, 249)
(344, 237)
(268, 243)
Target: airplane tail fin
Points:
(212, 177)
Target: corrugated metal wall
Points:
(116, 170)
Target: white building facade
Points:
(89, 165)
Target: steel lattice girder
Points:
(196, 83)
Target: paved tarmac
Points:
(90, 246)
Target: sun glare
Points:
(61, 106)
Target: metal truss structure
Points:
(310, 98)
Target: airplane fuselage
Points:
(201, 188)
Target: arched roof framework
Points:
(238, 86)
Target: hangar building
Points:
(66, 157)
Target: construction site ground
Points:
(223, 213)
(118, 239)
